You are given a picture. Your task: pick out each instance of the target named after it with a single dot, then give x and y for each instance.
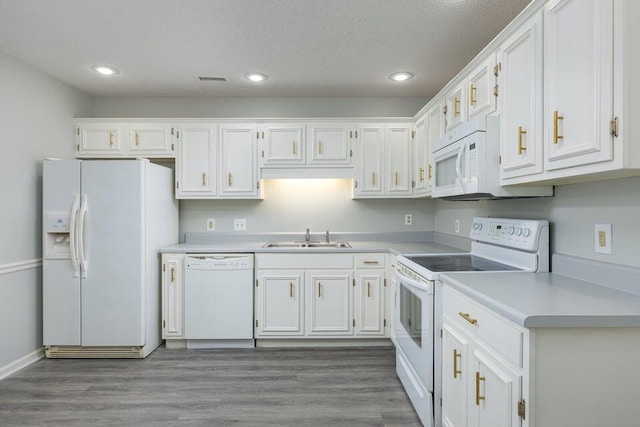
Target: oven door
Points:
(414, 329)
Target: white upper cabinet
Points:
(578, 82)
(481, 86)
(421, 181)
(456, 105)
(196, 161)
(238, 160)
(330, 144)
(105, 139)
(370, 154)
(521, 86)
(282, 145)
(398, 147)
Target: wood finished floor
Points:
(279, 387)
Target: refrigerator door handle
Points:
(83, 213)
(72, 236)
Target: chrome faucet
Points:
(327, 236)
(307, 236)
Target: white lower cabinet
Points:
(320, 296)
(172, 296)
(455, 377)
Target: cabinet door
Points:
(278, 302)
(398, 153)
(369, 302)
(370, 146)
(456, 102)
(282, 145)
(521, 88)
(329, 302)
(100, 140)
(481, 81)
(330, 144)
(436, 124)
(238, 161)
(151, 140)
(455, 377)
(172, 296)
(421, 159)
(195, 164)
(578, 82)
(495, 393)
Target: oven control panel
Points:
(524, 234)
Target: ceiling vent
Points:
(211, 79)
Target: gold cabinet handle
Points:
(319, 294)
(468, 318)
(456, 111)
(456, 355)
(373, 178)
(370, 262)
(556, 119)
(204, 179)
(319, 147)
(229, 180)
(173, 274)
(478, 396)
(421, 174)
(472, 95)
(290, 289)
(137, 140)
(368, 289)
(293, 147)
(429, 170)
(110, 139)
(520, 133)
(396, 178)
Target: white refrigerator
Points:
(103, 223)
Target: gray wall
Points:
(572, 212)
(260, 107)
(36, 121)
(318, 204)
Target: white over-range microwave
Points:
(466, 164)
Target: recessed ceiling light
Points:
(400, 77)
(256, 77)
(104, 70)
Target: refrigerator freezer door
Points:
(113, 291)
(60, 289)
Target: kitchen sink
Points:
(302, 245)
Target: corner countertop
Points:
(549, 300)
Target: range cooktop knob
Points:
(479, 226)
(526, 232)
(511, 230)
(518, 231)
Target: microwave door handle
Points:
(459, 167)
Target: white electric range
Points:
(498, 244)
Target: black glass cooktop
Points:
(451, 263)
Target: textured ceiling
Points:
(306, 47)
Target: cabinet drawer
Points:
(370, 260)
(484, 325)
(317, 261)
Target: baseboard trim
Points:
(21, 363)
(13, 267)
(311, 342)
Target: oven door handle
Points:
(414, 283)
(463, 180)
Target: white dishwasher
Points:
(218, 300)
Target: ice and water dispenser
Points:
(57, 236)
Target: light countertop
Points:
(548, 300)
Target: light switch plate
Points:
(211, 224)
(239, 224)
(603, 238)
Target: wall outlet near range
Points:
(603, 238)
(239, 224)
(456, 226)
(408, 219)
(211, 224)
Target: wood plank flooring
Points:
(256, 387)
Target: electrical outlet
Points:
(211, 224)
(408, 219)
(239, 225)
(603, 238)
(456, 225)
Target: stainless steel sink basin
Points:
(302, 245)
